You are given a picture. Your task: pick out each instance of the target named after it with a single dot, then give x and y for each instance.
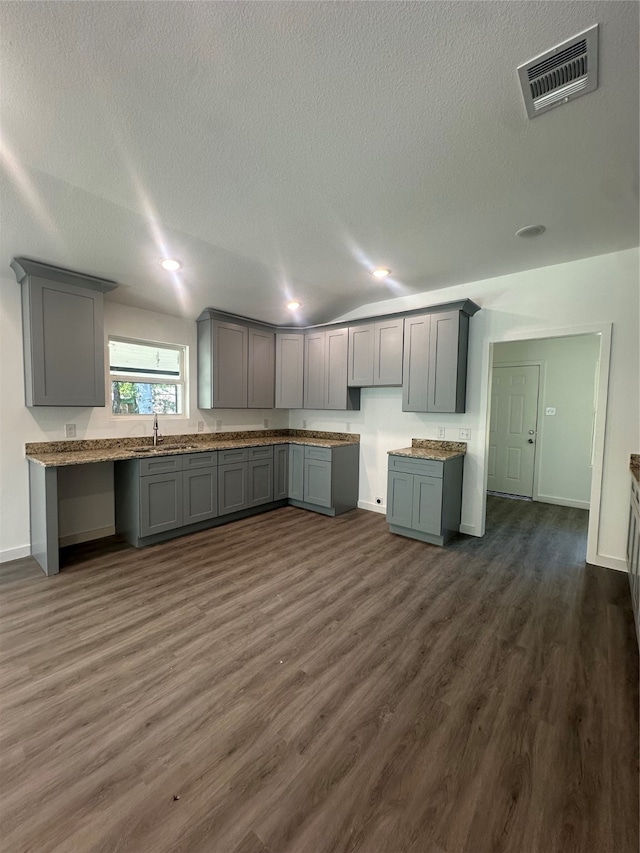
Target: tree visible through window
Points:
(146, 378)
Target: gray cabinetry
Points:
(325, 371)
(424, 498)
(289, 370)
(633, 551)
(435, 362)
(375, 353)
(236, 364)
(260, 476)
(164, 493)
(63, 335)
(280, 472)
(233, 481)
(324, 479)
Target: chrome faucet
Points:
(157, 438)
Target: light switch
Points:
(550, 410)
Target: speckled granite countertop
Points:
(58, 454)
(634, 466)
(425, 448)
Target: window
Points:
(146, 377)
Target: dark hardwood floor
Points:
(293, 683)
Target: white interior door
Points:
(513, 429)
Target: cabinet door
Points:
(63, 328)
(361, 356)
(280, 471)
(314, 355)
(416, 363)
(230, 355)
(260, 482)
(289, 371)
(296, 471)
(199, 494)
(447, 362)
(261, 377)
(336, 354)
(232, 487)
(387, 352)
(160, 503)
(317, 482)
(400, 498)
(427, 504)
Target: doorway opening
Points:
(545, 420)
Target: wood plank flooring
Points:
(294, 683)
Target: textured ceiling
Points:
(283, 149)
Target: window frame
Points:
(147, 379)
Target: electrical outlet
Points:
(348, 425)
(265, 423)
(465, 434)
(69, 430)
(218, 425)
(550, 410)
(441, 432)
(304, 424)
(200, 426)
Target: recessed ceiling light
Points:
(531, 231)
(293, 306)
(380, 273)
(170, 264)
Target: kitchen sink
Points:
(163, 448)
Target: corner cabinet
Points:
(424, 498)
(435, 362)
(236, 364)
(63, 335)
(325, 371)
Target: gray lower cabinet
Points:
(63, 335)
(164, 493)
(424, 498)
(245, 479)
(289, 370)
(280, 472)
(260, 476)
(375, 353)
(633, 551)
(435, 362)
(324, 479)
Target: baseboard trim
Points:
(15, 554)
(86, 536)
(372, 507)
(548, 499)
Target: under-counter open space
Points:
(303, 684)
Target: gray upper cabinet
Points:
(261, 378)
(63, 335)
(375, 353)
(435, 362)
(236, 364)
(289, 370)
(325, 371)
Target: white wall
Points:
(565, 297)
(564, 440)
(86, 494)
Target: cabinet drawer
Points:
(225, 457)
(206, 459)
(406, 465)
(323, 454)
(260, 452)
(160, 465)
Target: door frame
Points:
(541, 365)
(600, 422)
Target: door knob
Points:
(531, 431)
(530, 440)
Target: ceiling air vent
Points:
(565, 72)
